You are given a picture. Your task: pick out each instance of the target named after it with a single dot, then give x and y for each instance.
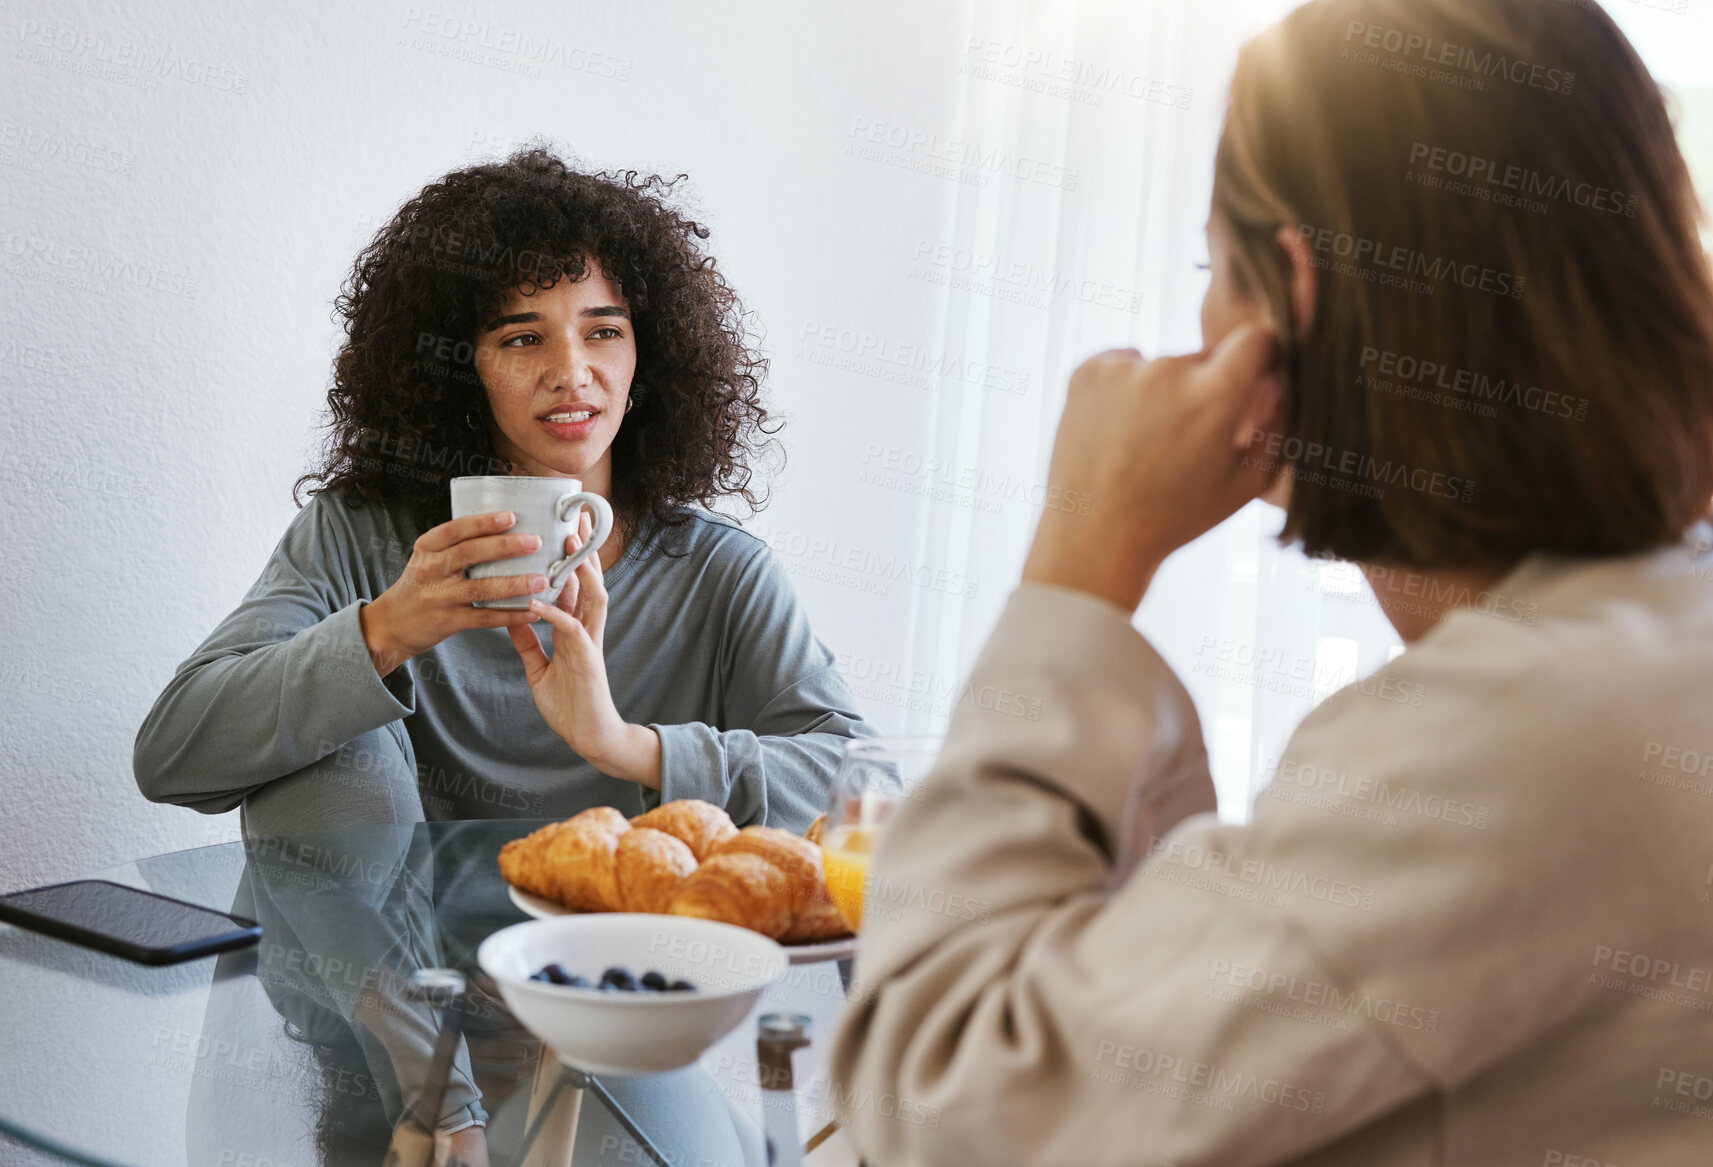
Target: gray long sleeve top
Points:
(707, 646)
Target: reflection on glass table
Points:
(312, 1046)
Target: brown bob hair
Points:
(1512, 345)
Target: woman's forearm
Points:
(777, 779)
(386, 653)
(240, 714)
(634, 756)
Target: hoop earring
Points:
(470, 420)
(630, 404)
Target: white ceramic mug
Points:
(548, 507)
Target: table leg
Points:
(820, 1136)
(554, 1107)
(643, 1142)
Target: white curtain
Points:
(1063, 173)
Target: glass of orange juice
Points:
(874, 779)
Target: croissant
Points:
(649, 868)
(538, 862)
(683, 858)
(578, 863)
(737, 888)
(721, 888)
(701, 825)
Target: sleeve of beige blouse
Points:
(1031, 988)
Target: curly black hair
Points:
(408, 410)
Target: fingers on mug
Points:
(603, 511)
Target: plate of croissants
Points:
(683, 858)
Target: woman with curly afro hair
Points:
(519, 317)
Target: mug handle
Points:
(603, 527)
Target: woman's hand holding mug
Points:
(1160, 452)
(431, 599)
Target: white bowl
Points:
(631, 1033)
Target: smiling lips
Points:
(571, 422)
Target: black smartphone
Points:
(137, 925)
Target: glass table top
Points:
(306, 1049)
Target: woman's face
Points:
(557, 366)
(1227, 304)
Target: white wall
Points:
(184, 189)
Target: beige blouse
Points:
(1470, 922)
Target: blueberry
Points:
(607, 987)
(539, 976)
(653, 980)
(556, 973)
(681, 987)
(619, 978)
